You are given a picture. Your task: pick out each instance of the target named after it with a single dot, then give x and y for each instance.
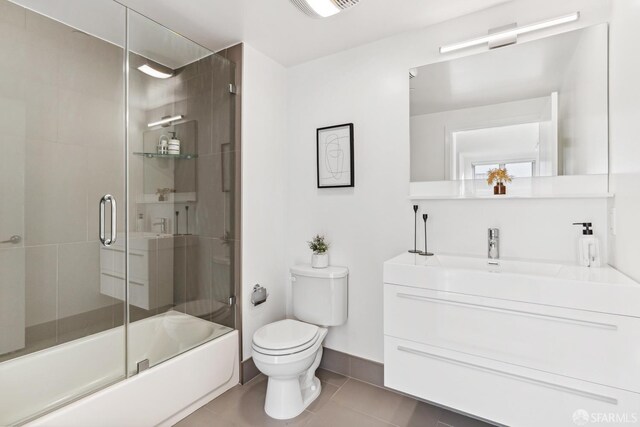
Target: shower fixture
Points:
(156, 70)
(323, 8)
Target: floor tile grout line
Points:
(311, 415)
(439, 420)
(357, 410)
(362, 381)
(440, 410)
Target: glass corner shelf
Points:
(183, 156)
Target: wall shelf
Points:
(184, 156)
(514, 196)
(552, 187)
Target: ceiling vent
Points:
(323, 8)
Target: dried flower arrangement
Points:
(498, 177)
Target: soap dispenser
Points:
(588, 246)
(163, 144)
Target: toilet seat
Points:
(285, 337)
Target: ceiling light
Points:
(511, 33)
(165, 120)
(153, 72)
(323, 8)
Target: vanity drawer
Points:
(112, 259)
(589, 346)
(497, 391)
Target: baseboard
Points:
(336, 361)
(353, 366)
(248, 370)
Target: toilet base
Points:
(285, 399)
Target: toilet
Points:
(289, 351)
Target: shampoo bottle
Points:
(588, 246)
(174, 144)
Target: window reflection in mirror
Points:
(537, 108)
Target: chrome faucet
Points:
(163, 225)
(494, 243)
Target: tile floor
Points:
(342, 402)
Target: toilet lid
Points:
(285, 334)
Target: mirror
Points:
(538, 109)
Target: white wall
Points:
(372, 222)
(625, 134)
(263, 190)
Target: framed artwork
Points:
(334, 149)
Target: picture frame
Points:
(335, 157)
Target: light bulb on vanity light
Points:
(514, 32)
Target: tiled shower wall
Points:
(61, 103)
(204, 265)
(62, 117)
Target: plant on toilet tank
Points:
(320, 257)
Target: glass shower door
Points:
(62, 290)
(182, 193)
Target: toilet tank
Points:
(320, 295)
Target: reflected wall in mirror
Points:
(538, 108)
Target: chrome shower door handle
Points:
(108, 198)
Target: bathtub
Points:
(159, 396)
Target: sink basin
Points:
(497, 266)
(547, 283)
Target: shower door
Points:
(182, 253)
(62, 151)
(116, 253)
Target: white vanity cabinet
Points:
(151, 261)
(520, 344)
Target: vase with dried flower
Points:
(498, 177)
(320, 257)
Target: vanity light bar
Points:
(165, 120)
(150, 71)
(511, 33)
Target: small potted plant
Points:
(320, 257)
(498, 178)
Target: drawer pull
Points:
(511, 311)
(122, 251)
(122, 278)
(535, 381)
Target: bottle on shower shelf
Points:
(174, 144)
(163, 144)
